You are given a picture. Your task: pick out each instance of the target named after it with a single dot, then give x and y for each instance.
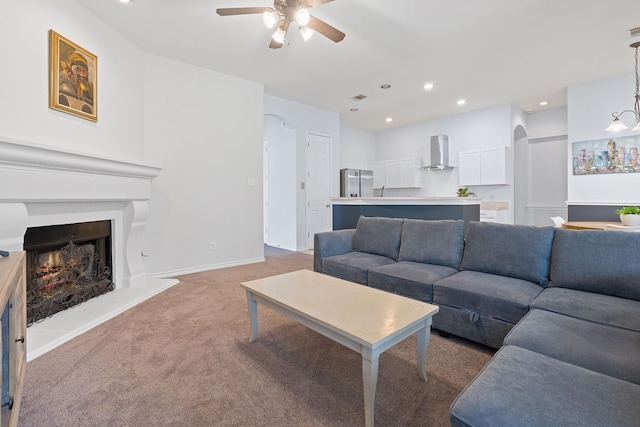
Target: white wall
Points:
(305, 119)
(489, 127)
(357, 148)
(590, 106)
(550, 123)
(203, 128)
(24, 111)
(206, 132)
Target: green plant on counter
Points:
(464, 192)
(629, 210)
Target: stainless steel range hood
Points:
(439, 153)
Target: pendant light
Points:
(617, 124)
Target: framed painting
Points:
(73, 74)
(610, 155)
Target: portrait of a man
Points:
(73, 73)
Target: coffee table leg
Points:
(423, 343)
(370, 379)
(253, 312)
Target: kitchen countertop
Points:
(405, 200)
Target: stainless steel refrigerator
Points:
(356, 183)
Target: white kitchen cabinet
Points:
(398, 173)
(469, 172)
(486, 166)
(379, 174)
(393, 174)
(411, 172)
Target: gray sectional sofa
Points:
(562, 306)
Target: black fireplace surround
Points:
(66, 265)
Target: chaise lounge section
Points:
(562, 306)
(574, 359)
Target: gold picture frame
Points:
(73, 78)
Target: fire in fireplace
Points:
(66, 265)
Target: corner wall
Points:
(24, 111)
(206, 132)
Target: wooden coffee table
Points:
(366, 320)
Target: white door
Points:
(318, 185)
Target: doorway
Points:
(279, 183)
(540, 179)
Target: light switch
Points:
(252, 182)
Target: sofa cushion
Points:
(602, 348)
(614, 311)
(519, 387)
(379, 236)
(432, 242)
(353, 266)
(504, 298)
(519, 251)
(410, 279)
(605, 262)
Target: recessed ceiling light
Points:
(462, 101)
(428, 86)
(385, 86)
(388, 119)
(125, 1)
(544, 103)
(353, 109)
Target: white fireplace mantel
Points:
(42, 185)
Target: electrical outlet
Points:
(213, 246)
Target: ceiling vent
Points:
(359, 97)
(635, 32)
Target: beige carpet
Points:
(182, 358)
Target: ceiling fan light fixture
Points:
(302, 17)
(270, 18)
(279, 35)
(306, 32)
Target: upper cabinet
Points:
(400, 173)
(486, 166)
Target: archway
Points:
(279, 182)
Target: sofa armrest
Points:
(330, 243)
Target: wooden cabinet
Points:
(487, 166)
(399, 173)
(14, 333)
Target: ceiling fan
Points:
(283, 13)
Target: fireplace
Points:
(66, 265)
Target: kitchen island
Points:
(347, 210)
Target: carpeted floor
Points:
(182, 358)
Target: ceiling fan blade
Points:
(313, 3)
(325, 29)
(228, 11)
